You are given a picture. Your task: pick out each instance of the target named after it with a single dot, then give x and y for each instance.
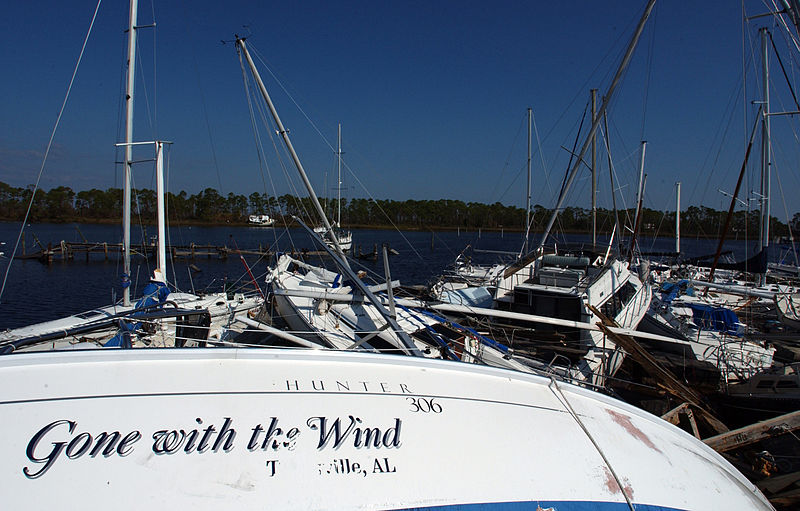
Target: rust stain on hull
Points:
(625, 421)
(613, 487)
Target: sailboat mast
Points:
(639, 198)
(126, 206)
(162, 210)
(285, 136)
(641, 181)
(528, 196)
(607, 99)
(339, 187)
(765, 151)
(617, 224)
(678, 217)
(594, 170)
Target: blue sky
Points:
(431, 95)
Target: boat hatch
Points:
(559, 277)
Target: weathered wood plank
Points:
(778, 483)
(651, 365)
(755, 432)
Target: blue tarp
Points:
(153, 293)
(670, 290)
(715, 318)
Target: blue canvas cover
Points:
(153, 293)
(671, 290)
(719, 319)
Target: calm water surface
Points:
(36, 292)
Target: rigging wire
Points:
(572, 154)
(601, 64)
(502, 172)
(649, 73)
(148, 108)
(302, 204)
(786, 76)
(545, 171)
(788, 220)
(203, 106)
(49, 146)
(289, 95)
(778, 14)
(720, 138)
(262, 161)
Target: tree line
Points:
(62, 204)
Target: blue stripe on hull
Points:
(543, 506)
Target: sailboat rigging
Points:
(159, 317)
(344, 237)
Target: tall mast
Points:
(733, 199)
(765, 152)
(639, 199)
(594, 170)
(126, 206)
(678, 217)
(528, 196)
(161, 210)
(579, 160)
(339, 188)
(288, 143)
(336, 253)
(617, 224)
(641, 181)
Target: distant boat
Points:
(261, 220)
(343, 236)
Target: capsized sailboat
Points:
(336, 309)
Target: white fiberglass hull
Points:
(222, 310)
(737, 357)
(288, 429)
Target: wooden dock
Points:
(68, 251)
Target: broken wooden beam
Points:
(665, 378)
(674, 416)
(754, 432)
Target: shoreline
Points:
(199, 223)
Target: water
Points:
(36, 292)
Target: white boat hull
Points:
(222, 310)
(256, 429)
